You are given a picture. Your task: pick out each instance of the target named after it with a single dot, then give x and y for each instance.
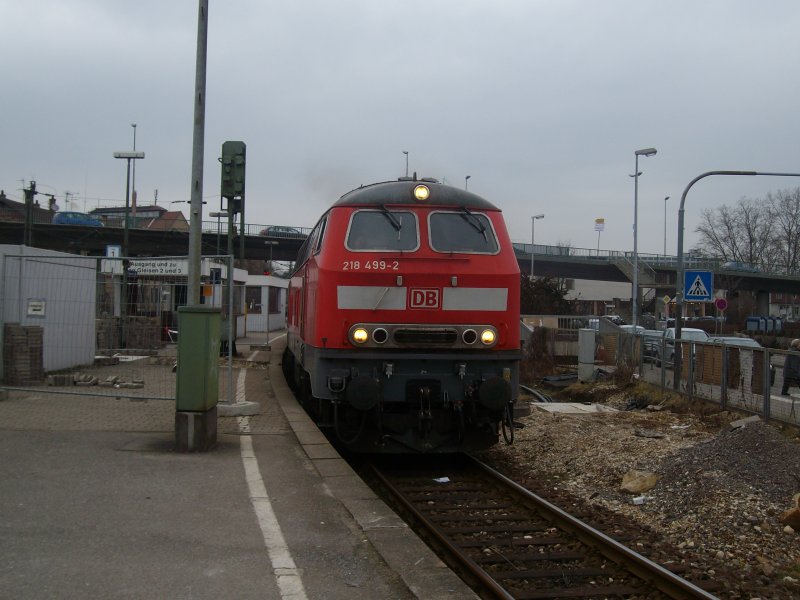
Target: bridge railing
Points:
(274, 231)
(45, 217)
(652, 260)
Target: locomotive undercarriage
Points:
(409, 402)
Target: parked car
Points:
(282, 231)
(76, 218)
(594, 323)
(666, 350)
(635, 329)
(744, 342)
(735, 265)
(651, 343)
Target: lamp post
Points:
(466, 182)
(635, 295)
(129, 156)
(665, 225)
(270, 244)
(680, 275)
(533, 237)
(133, 177)
(406, 153)
(218, 215)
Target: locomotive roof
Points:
(402, 192)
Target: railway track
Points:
(518, 545)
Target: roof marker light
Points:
(422, 193)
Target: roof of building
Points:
(11, 210)
(169, 221)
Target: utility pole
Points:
(198, 137)
(27, 236)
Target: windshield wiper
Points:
(391, 218)
(475, 222)
(396, 223)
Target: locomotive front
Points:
(404, 320)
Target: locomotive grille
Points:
(426, 337)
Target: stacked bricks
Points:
(144, 333)
(23, 348)
(107, 329)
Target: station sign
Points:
(168, 267)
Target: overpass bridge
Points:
(656, 271)
(281, 243)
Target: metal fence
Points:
(738, 377)
(106, 326)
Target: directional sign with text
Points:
(698, 286)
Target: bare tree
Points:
(784, 214)
(742, 233)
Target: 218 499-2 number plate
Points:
(371, 265)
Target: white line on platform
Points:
(287, 574)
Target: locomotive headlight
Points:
(360, 335)
(422, 193)
(488, 337)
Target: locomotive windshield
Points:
(462, 232)
(383, 230)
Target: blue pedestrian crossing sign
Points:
(698, 286)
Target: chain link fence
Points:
(743, 377)
(107, 326)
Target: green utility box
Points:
(198, 358)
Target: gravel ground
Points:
(717, 507)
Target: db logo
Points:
(424, 298)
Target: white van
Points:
(687, 333)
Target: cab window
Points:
(463, 231)
(382, 229)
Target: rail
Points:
(517, 544)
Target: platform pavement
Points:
(95, 503)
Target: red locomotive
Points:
(403, 319)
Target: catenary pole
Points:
(198, 139)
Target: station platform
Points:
(96, 503)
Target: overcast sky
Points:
(542, 103)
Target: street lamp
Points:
(133, 176)
(129, 156)
(271, 244)
(665, 225)
(218, 215)
(406, 153)
(635, 295)
(680, 274)
(533, 237)
(466, 182)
